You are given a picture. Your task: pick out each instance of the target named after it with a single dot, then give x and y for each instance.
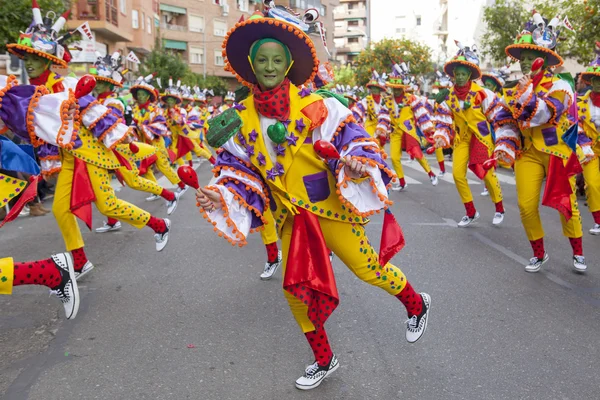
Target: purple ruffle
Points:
(13, 110)
(85, 101)
(558, 105)
(502, 115)
(116, 111)
(104, 124)
(423, 119)
(529, 108)
(47, 150)
(583, 139)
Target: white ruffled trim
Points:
(419, 111)
(444, 119)
(587, 152)
(238, 214)
(49, 165)
(93, 114)
(47, 119)
(114, 103)
(337, 114)
(525, 96)
(426, 126)
(508, 131)
(507, 149)
(360, 193)
(115, 135)
(443, 134)
(563, 86)
(488, 101)
(224, 173)
(69, 82)
(236, 150)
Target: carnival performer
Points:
(151, 128)
(588, 107)
(399, 118)
(108, 71)
(56, 272)
(369, 107)
(443, 82)
(183, 135)
(316, 205)
(464, 121)
(82, 160)
(544, 144)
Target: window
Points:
(323, 10)
(196, 55)
(219, 58)
(243, 5)
(123, 6)
(134, 19)
(400, 30)
(353, 40)
(220, 28)
(303, 4)
(143, 20)
(149, 26)
(217, 2)
(351, 6)
(339, 24)
(418, 20)
(352, 23)
(195, 23)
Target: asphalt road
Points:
(195, 321)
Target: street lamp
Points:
(363, 34)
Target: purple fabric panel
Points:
(560, 108)
(47, 150)
(528, 108)
(317, 186)
(408, 125)
(507, 142)
(159, 119)
(225, 158)
(583, 139)
(116, 111)
(423, 118)
(550, 136)
(85, 101)
(193, 119)
(483, 128)
(13, 110)
(104, 123)
(502, 115)
(251, 198)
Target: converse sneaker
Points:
(67, 290)
(595, 230)
(417, 325)
(181, 191)
(396, 186)
(466, 220)
(434, 180)
(314, 374)
(535, 264)
(172, 205)
(579, 263)
(441, 173)
(271, 268)
(108, 227)
(163, 238)
(87, 267)
(331, 255)
(485, 192)
(153, 197)
(498, 218)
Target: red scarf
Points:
(537, 79)
(144, 106)
(595, 98)
(40, 80)
(104, 95)
(376, 97)
(274, 103)
(399, 99)
(462, 91)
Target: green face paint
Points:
(142, 96)
(35, 65)
(171, 102)
(398, 92)
(596, 84)
(270, 65)
(490, 84)
(103, 87)
(375, 90)
(185, 103)
(462, 75)
(527, 58)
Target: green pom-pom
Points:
(277, 132)
(467, 105)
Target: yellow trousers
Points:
(460, 157)
(163, 163)
(349, 242)
(7, 275)
(591, 175)
(269, 234)
(439, 154)
(530, 171)
(396, 155)
(106, 202)
(133, 179)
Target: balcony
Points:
(355, 13)
(172, 27)
(103, 16)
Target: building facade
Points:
(351, 28)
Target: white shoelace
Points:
(312, 369)
(412, 323)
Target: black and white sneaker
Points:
(466, 220)
(331, 256)
(271, 268)
(579, 263)
(67, 290)
(314, 374)
(108, 227)
(172, 205)
(417, 324)
(535, 264)
(181, 191)
(152, 197)
(163, 238)
(88, 267)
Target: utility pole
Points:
(368, 11)
(204, 51)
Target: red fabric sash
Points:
(274, 103)
(595, 98)
(478, 154)
(392, 238)
(412, 146)
(146, 164)
(26, 196)
(376, 97)
(172, 155)
(122, 160)
(309, 276)
(558, 190)
(184, 146)
(82, 193)
(119, 176)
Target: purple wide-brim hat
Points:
(237, 43)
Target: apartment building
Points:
(352, 29)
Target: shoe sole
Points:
(71, 264)
(426, 319)
(464, 226)
(164, 244)
(544, 261)
(108, 230)
(173, 210)
(498, 223)
(595, 233)
(82, 274)
(331, 371)
(268, 278)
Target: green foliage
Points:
(507, 17)
(344, 75)
(384, 53)
(164, 63)
(16, 16)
